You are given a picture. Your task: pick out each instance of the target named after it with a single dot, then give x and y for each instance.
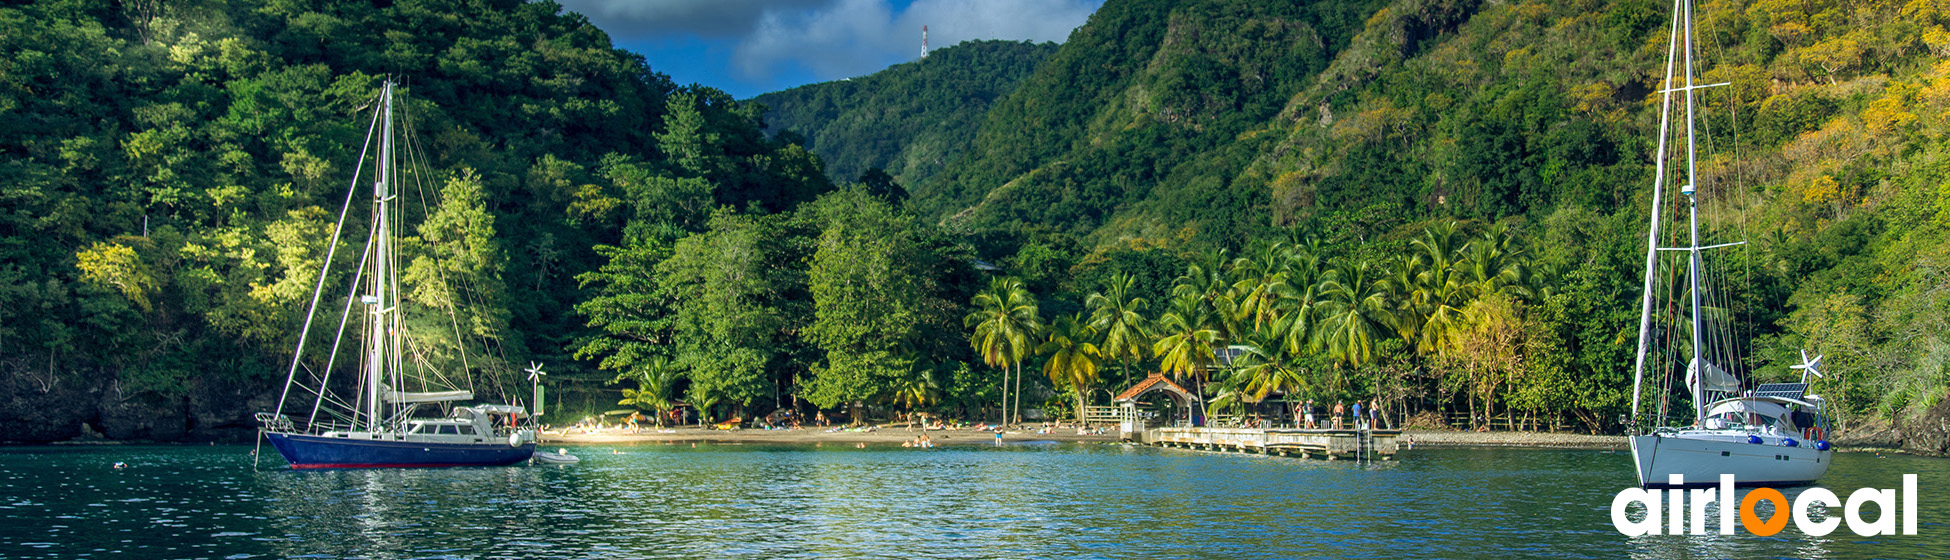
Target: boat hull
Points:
(1702, 461)
(317, 452)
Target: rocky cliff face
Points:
(37, 406)
(1923, 434)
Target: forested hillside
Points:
(909, 120)
(172, 171)
(1166, 137)
(1439, 205)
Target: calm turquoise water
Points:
(1023, 501)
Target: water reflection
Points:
(726, 501)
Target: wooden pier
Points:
(1324, 444)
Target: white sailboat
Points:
(1773, 435)
(377, 427)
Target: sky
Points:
(749, 47)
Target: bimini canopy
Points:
(442, 396)
(1749, 406)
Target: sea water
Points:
(1052, 500)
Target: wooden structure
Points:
(1327, 444)
(1181, 399)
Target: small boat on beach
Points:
(378, 425)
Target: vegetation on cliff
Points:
(1434, 203)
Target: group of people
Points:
(1364, 415)
(923, 441)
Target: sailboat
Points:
(1771, 435)
(380, 426)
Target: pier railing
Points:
(1330, 444)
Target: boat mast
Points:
(1658, 190)
(1692, 215)
(382, 258)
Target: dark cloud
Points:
(707, 18)
(853, 37)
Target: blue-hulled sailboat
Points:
(380, 426)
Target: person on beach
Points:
(1340, 410)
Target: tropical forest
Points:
(1436, 206)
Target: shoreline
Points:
(881, 435)
(1449, 438)
(895, 435)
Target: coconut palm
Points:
(1119, 319)
(655, 380)
(701, 399)
(1185, 338)
(1494, 264)
(1005, 320)
(1437, 292)
(917, 389)
(1072, 357)
(1259, 280)
(1268, 365)
(1355, 314)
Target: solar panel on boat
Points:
(1784, 390)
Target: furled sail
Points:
(1716, 379)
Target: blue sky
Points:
(749, 47)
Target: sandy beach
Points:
(891, 436)
(896, 434)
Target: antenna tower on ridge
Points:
(924, 41)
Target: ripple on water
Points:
(1044, 501)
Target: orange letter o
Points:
(1752, 522)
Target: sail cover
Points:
(1716, 379)
(442, 396)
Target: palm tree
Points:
(1072, 357)
(1119, 319)
(917, 389)
(1269, 365)
(1185, 339)
(1494, 264)
(1355, 314)
(1260, 281)
(1004, 319)
(655, 380)
(701, 399)
(1437, 293)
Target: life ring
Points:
(514, 439)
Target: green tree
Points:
(1185, 339)
(877, 289)
(656, 382)
(728, 309)
(1073, 359)
(1356, 313)
(1005, 320)
(1118, 318)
